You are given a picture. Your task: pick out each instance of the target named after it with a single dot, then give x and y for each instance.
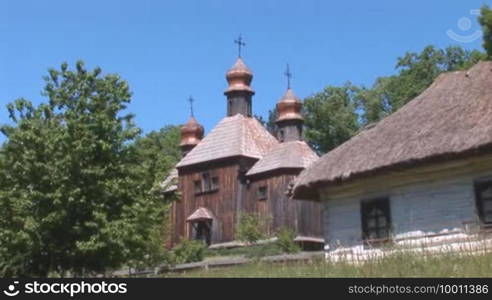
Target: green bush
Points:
(285, 241)
(251, 228)
(189, 251)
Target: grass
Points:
(395, 265)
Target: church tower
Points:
(239, 92)
(191, 132)
(289, 118)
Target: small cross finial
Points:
(288, 74)
(239, 43)
(191, 100)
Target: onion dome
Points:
(289, 107)
(239, 77)
(191, 133)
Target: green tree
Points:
(485, 20)
(271, 124)
(71, 190)
(331, 116)
(416, 71)
(158, 152)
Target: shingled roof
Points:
(450, 119)
(233, 136)
(288, 155)
(200, 214)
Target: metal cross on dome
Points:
(288, 74)
(239, 43)
(191, 100)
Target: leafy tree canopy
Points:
(71, 189)
(485, 20)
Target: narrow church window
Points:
(281, 135)
(215, 183)
(376, 221)
(483, 195)
(262, 193)
(198, 186)
(207, 185)
(229, 107)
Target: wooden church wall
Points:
(221, 202)
(302, 216)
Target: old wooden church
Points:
(239, 167)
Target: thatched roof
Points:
(288, 155)
(450, 119)
(233, 136)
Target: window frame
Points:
(479, 186)
(206, 181)
(214, 183)
(197, 185)
(209, 183)
(262, 193)
(382, 233)
(281, 133)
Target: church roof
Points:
(288, 155)
(233, 136)
(451, 119)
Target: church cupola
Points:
(239, 92)
(289, 115)
(191, 133)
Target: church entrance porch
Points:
(202, 231)
(200, 225)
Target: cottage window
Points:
(483, 195)
(376, 221)
(262, 193)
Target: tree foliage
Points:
(71, 190)
(415, 72)
(485, 20)
(158, 152)
(331, 117)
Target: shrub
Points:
(189, 251)
(285, 240)
(251, 228)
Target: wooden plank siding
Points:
(222, 203)
(236, 194)
(302, 216)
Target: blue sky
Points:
(168, 50)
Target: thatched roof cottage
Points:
(422, 174)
